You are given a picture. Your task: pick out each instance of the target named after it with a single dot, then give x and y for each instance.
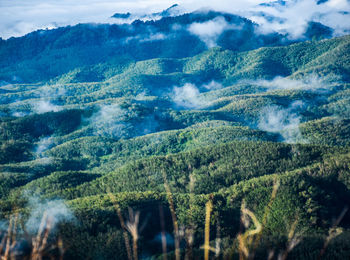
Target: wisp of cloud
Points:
(210, 31)
(285, 121)
(56, 211)
(44, 106)
(312, 83)
(109, 121)
(187, 96)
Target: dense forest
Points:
(143, 141)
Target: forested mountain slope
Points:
(96, 119)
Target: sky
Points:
(19, 17)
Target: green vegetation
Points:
(226, 141)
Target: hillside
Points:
(98, 122)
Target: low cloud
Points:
(19, 18)
(109, 121)
(187, 96)
(44, 106)
(212, 85)
(43, 145)
(311, 83)
(39, 101)
(210, 31)
(285, 121)
(151, 37)
(154, 37)
(44, 213)
(292, 17)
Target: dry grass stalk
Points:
(333, 232)
(293, 240)
(245, 240)
(190, 229)
(173, 216)
(132, 226)
(218, 240)
(189, 237)
(9, 240)
(40, 242)
(163, 234)
(8, 244)
(61, 248)
(122, 223)
(266, 214)
(208, 210)
(271, 255)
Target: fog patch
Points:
(210, 31)
(154, 37)
(292, 17)
(151, 37)
(141, 96)
(19, 108)
(43, 145)
(109, 121)
(19, 19)
(187, 96)
(19, 114)
(212, 85)
(46, 94)
(44, 106)
(311, 83)
(47, 213)
(284, 121)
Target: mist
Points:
(109, 121)
(212, 85)
(290, 17)
(284, 121)
(46, 94)
(43, 145)
(210, 31)
(312, 83)
(44, 106)
(189, 96)
(47, 212)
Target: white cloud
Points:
(311, 83)
(44, 106)
(146, 38)
(187, 96)
(109, 121)
(154, 37)
(46, 213)
(296, 15)
(285, 121)
(210, 31)
(43, 145)
(19, 17)
(212, 85)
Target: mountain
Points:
(29, 58)
(183, 134)
(173, 10)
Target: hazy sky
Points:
(18, 17)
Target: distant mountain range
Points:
(173, 10)
(30, 58)
(196, 125)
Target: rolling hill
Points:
(99, 122)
